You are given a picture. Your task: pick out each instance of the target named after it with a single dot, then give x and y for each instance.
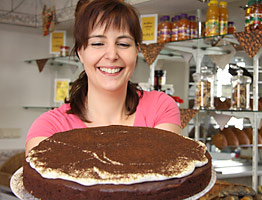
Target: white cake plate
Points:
(17, 186)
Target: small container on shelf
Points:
(193, 27)
(240, 84)
(231, 28)
(255, 15)
(204, 96)
(175, 28)
(64, 50)
(164, 30)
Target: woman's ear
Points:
(79, 53)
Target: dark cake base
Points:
(177, 188)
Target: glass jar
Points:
(193, 33)
(183, 27)
(204, 82)
(247, 15)
(175, 27)
(255, 15)
(164, 30)
(240, 86)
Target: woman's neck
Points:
(106, 108)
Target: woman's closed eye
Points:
(97, 44)
(123, 45)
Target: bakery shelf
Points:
(235, 113)
(58, 61)
(40, 107)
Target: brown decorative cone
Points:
(41, 64)
(151, 51)
(186, 115)
(250, 41)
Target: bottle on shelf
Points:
(223, 18)
(212, 19)
(159, 79)
(231, 28)
(184, 27)
(164, 30)
(256, 15)
(193, 27)
(247, 15)
(175, 28)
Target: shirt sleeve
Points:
(54, 121)
(41, 127)
(166, 110)
(156, 108)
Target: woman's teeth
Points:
(110, 70)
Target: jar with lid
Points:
(247, 15)
(240, 86)
(204, 82)
(164, 28)
(184, 27)
(175, 27)
(256, 15)
(193, 32)
(231, 28)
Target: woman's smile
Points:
(111, 70)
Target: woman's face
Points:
(109, 58)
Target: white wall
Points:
(21, 84)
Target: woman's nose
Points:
(111, 52)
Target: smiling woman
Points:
(107, 39)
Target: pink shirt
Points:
(154, 108)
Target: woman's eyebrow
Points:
(96, 36)
(125, 36)
(119, 37)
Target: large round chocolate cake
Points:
(117, 162)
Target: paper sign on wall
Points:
(57, 39)
(61, 90)
(149, 28)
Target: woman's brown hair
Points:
(94, 13)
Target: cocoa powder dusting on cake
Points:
(98, 155)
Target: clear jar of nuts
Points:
(240, 91)
(204, 96)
